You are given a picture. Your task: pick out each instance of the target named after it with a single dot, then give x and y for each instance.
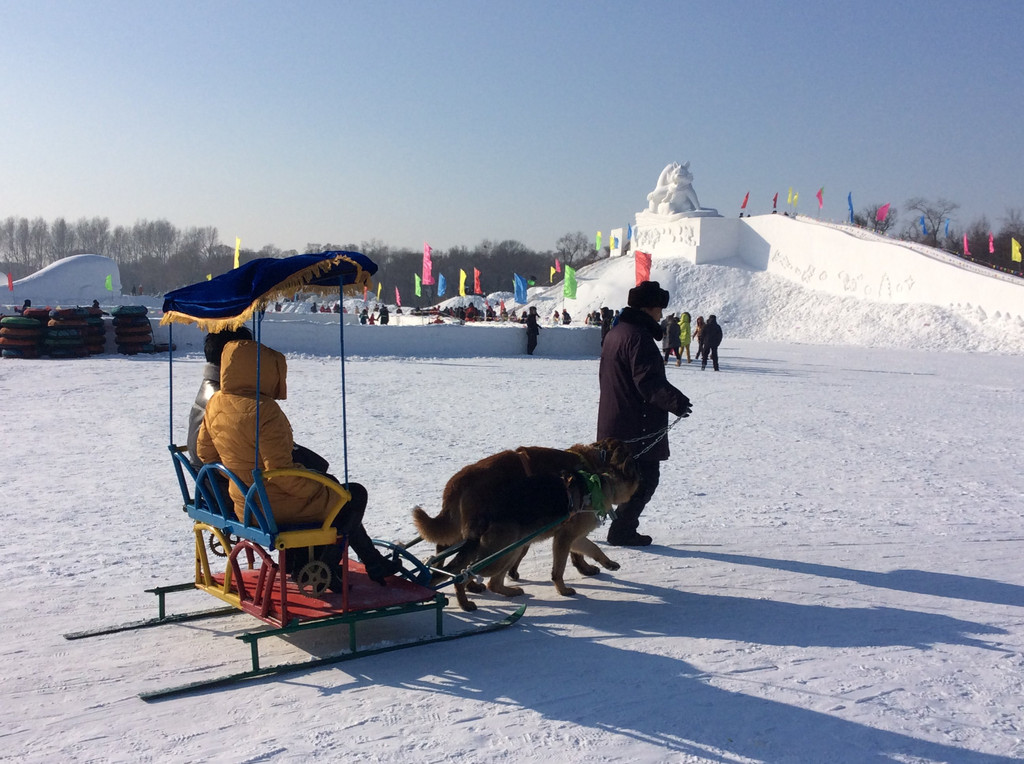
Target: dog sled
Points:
(243, 563)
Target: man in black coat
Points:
(709, 342)
(636, 399)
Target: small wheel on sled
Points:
(218, 548)
(313, 579)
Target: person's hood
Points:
(238, 370)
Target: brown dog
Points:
(479, 494)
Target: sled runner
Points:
(243, 562)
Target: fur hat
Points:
(648, 294)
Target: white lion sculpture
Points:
(674, 192)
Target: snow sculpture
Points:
(674, 196)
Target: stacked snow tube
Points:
(20, 337)
(95, 332)
(65, 333)
(132, 330)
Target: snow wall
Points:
(67, 283)
(838, 259)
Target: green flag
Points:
(109, 283)
(418, 282)
(597, 241)
(569, 289)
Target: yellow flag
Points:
(796, 196)
(462, 283)
(238, 245)
(789, 199)
(209, 277)
(1015, 250)
(551, 278)
(379, 285)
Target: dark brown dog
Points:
(482, 493)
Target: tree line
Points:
(158, 256)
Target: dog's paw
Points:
(474, 586)
(513, 574)
(469, 606)
(508, 591)
(612, 565)
(587, 569)
(566, 591)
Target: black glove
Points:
(686, 407)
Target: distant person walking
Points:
(670, 339)
(711, 338)
(532, 330)
(698, 334)
(684, 334)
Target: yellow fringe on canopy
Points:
(295, 282)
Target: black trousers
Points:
(627, 516)
(704, 351)
(531, 343)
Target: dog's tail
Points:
(438, 530)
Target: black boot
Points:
(378, 567)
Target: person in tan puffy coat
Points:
(228, 435)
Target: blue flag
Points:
(924, 228)
(520, 287)
(442, 285)
(947, 226)
(849, 200)
(629, 232)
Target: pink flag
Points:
(883, 212)
(820, 195)
(428, 265)
(558, 266)
(10, 283)
(476, 282)
(745, 198)
(775, 200)
(967, 250)
(398, 298)
(643, 267)
(991, 244)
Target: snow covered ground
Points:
(836, 574)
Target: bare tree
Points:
(63, 238)
(93, 235)
(868, 218)
(934, 214)
(573, 248)
(39, 244)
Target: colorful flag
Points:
(380, 285)
(796, 198)
(442, 285)
(569, 289)
(10, 283)
(476, 282)
(398, 298)
(947, 226)
(238, 246)
(883, 212)
(428, 266)
(924, 228)
(1015, 250)
(821, 197)
(789, 199)
(967, 250)
(991, 244)
(598, 241)
(558, 266)
(849, 201)
(775, 200)
(643, 267)
(462, 283)
(615, 243)
(745, 198)
(551, 276)
(519, 286)
(109, 283)
(365, 293)
(209, 277)
(629, 232)
(418, 289)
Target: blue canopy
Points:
(229, 300)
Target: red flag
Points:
(428, 265)
(643, 267)
(967, 250)
(991, 244)
(10, 283)
(820, 195)
(883, 212)
(476, 282)
(745, 198)
(398, 298)
(775, 200)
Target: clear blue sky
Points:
(451, 122)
